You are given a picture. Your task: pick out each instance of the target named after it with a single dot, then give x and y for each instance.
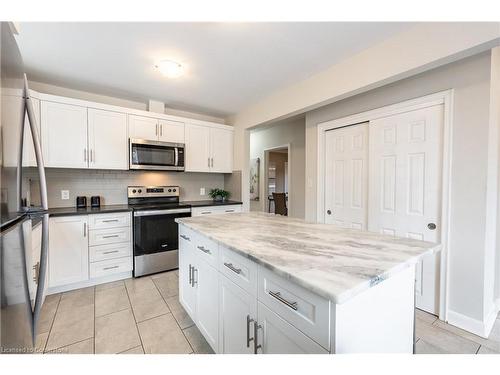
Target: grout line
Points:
(477, 351)
(76, 342)
(135, 320)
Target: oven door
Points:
(155, 155)
(156, 231)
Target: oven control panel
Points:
(152, 191)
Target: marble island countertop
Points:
(333, 262)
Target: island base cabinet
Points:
(207, 307)
(276, 336)
(187, 289)
(238, 311)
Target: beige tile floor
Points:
(137, 316)
(132, 316)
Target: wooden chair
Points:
(280, 204)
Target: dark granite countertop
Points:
(209, 202)
(68, 211)
(105, 209)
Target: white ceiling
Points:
(229, 65)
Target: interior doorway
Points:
(276, 176)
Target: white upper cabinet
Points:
(197, 152)
(221, 146)
(141, 127)
(208, 149)
(64, 135)
(171, 131)
(108, 141)
(29, 156)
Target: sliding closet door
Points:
(346, 176)
(405, 154)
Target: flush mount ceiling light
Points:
(169, 68)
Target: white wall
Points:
(470, 79)
(292, 132)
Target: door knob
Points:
(431, 226)
(329, 212)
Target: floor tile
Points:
(425, 316)
(111, 300)
(48, 313)
(486, 350)
(82, 347)
(71, 325)
(163, 335)
(110, 285)
(444, 341)
(136, 350)
(180, 315)
(77, 298)
(139, 284)
(197, 341)
(168, 284)
(40, 342)
(493, 341)
(423, 347)
(147, 303)
(116, 332)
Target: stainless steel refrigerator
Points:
(23, 267)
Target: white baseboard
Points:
(475, 326)
(92, 282)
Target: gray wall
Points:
(470, 80)
(112, 185)
(292, 132)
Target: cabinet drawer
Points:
(303, 309)
(242, 271)
(207, 249)
(110, 267)
(114, 220)
(105, 252)
(109, 236)
(215, 210)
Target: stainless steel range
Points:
(155, 230)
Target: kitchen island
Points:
(261, 283)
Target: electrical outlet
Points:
(202, 191)
(64, 194)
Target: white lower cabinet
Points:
(81, 255)
(68, 250)
(238, 309)
(277, 336)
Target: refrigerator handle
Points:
(36, 142)
(40, 290)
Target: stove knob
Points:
(133, 191)
(174, 190)
(169, 190)
(139, 191)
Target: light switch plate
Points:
(64, 194)
(202, 191)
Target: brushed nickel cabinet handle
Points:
(110, 221)
(206, 251)
(110, 268)
(84, 154)
(161, 130)
(277, 295)
(195, 280)
(110, 236)
(208, 162)
(212, 159)
(256, 346)
(84, 229)
(233, 268)
(110, 252)
(185, 237)
(249, 339)
(190, 275)
(206, 212)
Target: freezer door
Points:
(16, 318)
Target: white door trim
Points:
(443, 97)
(266, 161)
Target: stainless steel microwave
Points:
(154, 155)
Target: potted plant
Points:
(219, 195)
